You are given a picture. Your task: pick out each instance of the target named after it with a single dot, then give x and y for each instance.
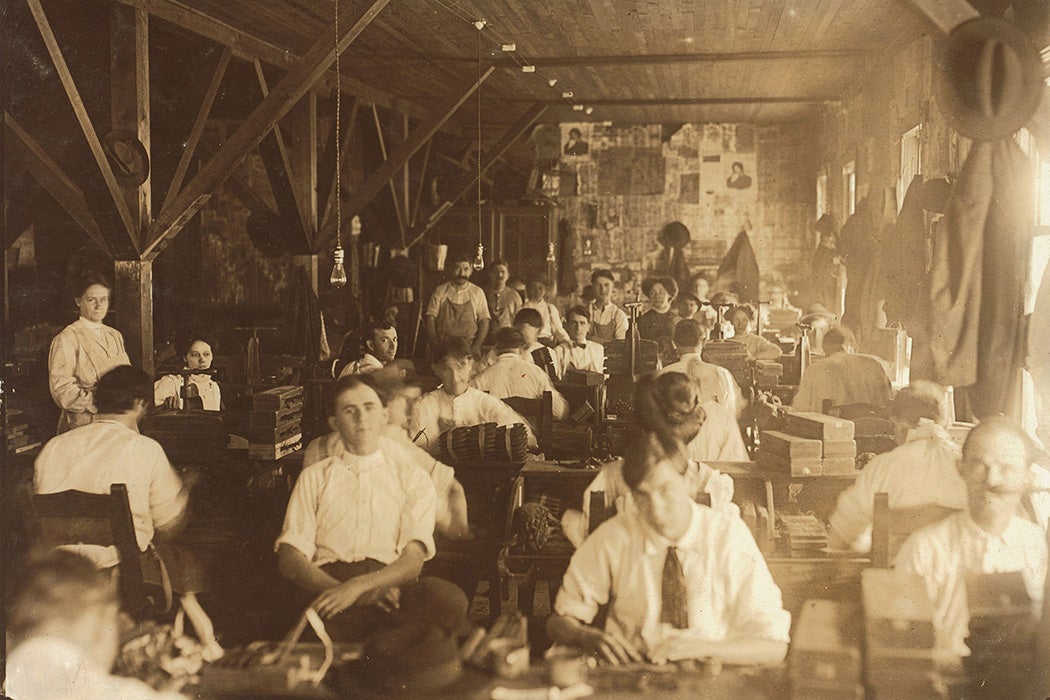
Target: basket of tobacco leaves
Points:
(537, 525)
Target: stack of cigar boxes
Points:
(731, 355)
(767, 374)
(825, 657)
(1001, 634)
(899, 636)
(811, 444)
(275, 423)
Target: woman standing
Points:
(84, 351)
(658, 322)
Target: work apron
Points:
(602, 332)
(457, 321)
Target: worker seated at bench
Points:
(988, 537)
(514, 375)
(715, 383)
(359, 526)
(380, 347)
(450, 511)
(167, 391)
(682, 580)
(64, 633)
(455, 403)
(579, 352)
(528, 321)
(921, 471)
(844, 376)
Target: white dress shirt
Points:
(93, 457)
(729, 589)
(716, 383)
(353, 507)
(436, 411)
(923, 471)
(171, 385)
(590, 357)
(609, 315)
(719, 439)
(80, 354)
(512, 375)
(758, 348)
(552, 326)
(845, 378)
(945, 552)
(367, 363)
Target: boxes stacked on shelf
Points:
(1001, 634)
(731, 355)
(825, 657)
(275, 423)
(768, 374)
(899, 636)
(810, 444)
(16, 433)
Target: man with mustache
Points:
(458, 309)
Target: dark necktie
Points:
(674, 609)
(581, 345)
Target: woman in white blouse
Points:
(167, 390)
(84, 351)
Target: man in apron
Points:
(608, 321)
(458, 309)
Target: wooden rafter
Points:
(303, 157)
(945, 15)
(687, 101)
(467, 180)
(423, 132)
(390, 182)
(198, 127)
(681, 58)
(53, 49)
(263, 118)
(53, 179)
(344, 153)
(422, 184)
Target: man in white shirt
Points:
(682, 581)
(922, 471)
(455, 403)
(551, 328)
(716, 383)
(988, 538)
(843, 376)
(458, 309)
(606, 320)
(360, 524)
(579, 352)
(382, 348)
(504, 301)
(513, 375)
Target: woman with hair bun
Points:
(167, 391)
(84, 351)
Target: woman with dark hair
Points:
(84, 351)
(167, 390)
(667, 405)
(758, 348)
(658, 322)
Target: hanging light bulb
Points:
(550, 252)
(479, 259)
(338, 276)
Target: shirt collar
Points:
(928, 430)
(92, 325)
(975, 530)
(355, 462)
(656, 543)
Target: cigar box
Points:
(781, 444)
(838, 466)
(785, 465)
(819, 426)
(274, 452)
(840, 448)
(274, 436)
(271, 419)
(278, 398)
(826, 645)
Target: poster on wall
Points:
(576, 141)
(729, 174)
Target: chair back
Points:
(890, 527)
(539, 413)
(76, 517)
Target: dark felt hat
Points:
(934, 194)
(989, 78)
(668, 283)
(825, 224)
(127, 157)
(674, 234)
(411, 660)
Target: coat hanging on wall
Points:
(738, 272)
(674, 237)
(566, 265)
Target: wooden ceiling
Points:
(656, 61)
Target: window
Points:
(849, 189)
(911, 161)
(822, 193)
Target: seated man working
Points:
(989, 537)
(381, 350)
(716, 383)
(579, 353)
(922, 471)
(683, 581)
(843, 376)
(455, 403)
(513, 375)
(528, 322)
(360, 524)
(63, 634)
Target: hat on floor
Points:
(989, 78)
(409, 660)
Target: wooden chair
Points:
(890, 527)
(75, 517)
(540, 415)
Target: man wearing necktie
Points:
(578, 353)
(682, 580)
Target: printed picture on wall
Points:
(738, 179)
(576, 141)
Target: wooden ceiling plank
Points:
(422, 184)
(945, 15)
(52, 178)
(467, 180)
(423, 132)
(66, 78)
(344, 154)
(685, 101)
(393, 187)
(289, 90)
(198, 127)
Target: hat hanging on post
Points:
(989, 80)
(128, 158)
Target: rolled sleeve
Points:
(853, 512)
(480, 303)
(437, 296)
(300, 519)
(587, 581)
(417, 514)
(167, 498)
(620, 323)
(757, 610)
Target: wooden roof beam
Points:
(687, 101)
(680, 58)
(423, 132)
(285, 94)
(467, 180)
(53, 179)
(251, 48)
(945, 15)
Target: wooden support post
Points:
(309, 263)
(303, 157)
(289, 90)
(129, 99)
(422, 133)
(133, 302)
